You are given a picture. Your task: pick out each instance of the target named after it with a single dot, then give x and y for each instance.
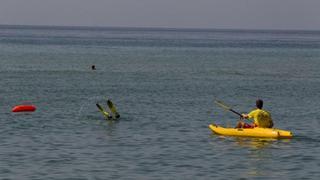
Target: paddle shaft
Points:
(228, 108)
(235, 112)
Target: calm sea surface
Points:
(164, 83)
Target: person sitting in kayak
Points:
(262, 118)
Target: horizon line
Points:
(155, 28)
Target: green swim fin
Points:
(113, 109)
(105, 113)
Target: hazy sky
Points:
(243, 14)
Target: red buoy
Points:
(24, 108)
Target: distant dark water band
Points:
(111, 42)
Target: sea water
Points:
(163, 83)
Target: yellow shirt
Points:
(261, 118)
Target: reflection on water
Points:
(260, 155)
(253, 157)
(254, 143)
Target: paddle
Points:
(106, 114)
(227, 108)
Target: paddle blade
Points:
(227, 107)
(219, 103)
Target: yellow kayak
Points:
(251, 132)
